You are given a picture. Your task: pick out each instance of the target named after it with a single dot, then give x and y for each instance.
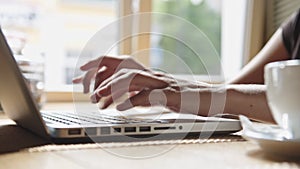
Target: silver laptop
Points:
(19, 105)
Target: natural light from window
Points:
(58, 30)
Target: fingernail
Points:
(123, 106)
(101, 105)
(85, 90)
(93, 98)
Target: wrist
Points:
(213, 100)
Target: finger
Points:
(102, 75)
(91, 64)
(95, 98)
(111, 99)
(140, 99)
(77, 79)
(110, 85)
(100, 62)
(132, 93)
(107, 102)
(108, 75)
(111, 77)
(86, 81)
(131, 82)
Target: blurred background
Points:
(60, 28)
(54, 32)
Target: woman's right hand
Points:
(104, 67)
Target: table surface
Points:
(189, 154)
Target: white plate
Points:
(270, 138)
(277, 147)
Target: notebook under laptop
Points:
(19, 105)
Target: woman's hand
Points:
(103, 68)
(115, 76)
(151, 89)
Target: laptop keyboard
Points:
(89, 118)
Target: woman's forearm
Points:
(248, 100)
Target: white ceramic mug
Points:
(282, 80)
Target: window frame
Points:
(62, 92)
(234, 12)
(228, 50)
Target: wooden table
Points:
(168, 154)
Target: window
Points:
(191, 39)
(188, 22)
(57, 28)
(178, 36)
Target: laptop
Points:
(100, 125)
